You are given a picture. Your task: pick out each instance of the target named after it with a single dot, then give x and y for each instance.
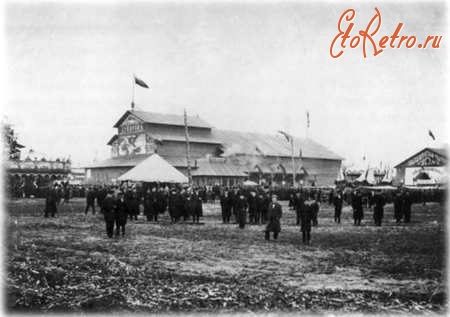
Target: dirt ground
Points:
(68, 264)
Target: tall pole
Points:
(132, 98)
(188, 149)
(293, 162)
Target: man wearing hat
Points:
(274, 215)
(108, 206)
(121, 214)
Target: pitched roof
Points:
(115, 137)
(179, 138)
(249, 143)
(439, 151)
(121, 161)
(166, 119)
(218, 167)
(154, 169)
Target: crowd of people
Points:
(257, 205)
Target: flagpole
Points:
(132, 98)
(188, 158)
(293, 162)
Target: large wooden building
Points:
(217, 156)
(426, 167)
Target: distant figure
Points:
(357, 205)
(240, 207)
(315, 210)
(307, 216)
(337, 202)
(252, 207)
(121, 213)
(406, 206)
(90, 201)
(149, 206)
(51, 201)
(67, 193)
(109, 214)
(299, 207)
(260, 208)
(398, 207)
(132, 202)
(198, 210)
(274, 215)
(225, 204)
(378, 209)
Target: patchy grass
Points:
(68, 264)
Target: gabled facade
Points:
(426, 167)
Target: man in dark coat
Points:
(274, 215)
(378, 209)
(225, 204)
(234, 197)
(315, 209)
(299, 206)
(337, 202)
(198, 210)
(179, 204)
(398, 208)
(90, 201)
(133, 203)
(149, 205)
(161, 201)
(100, 195)
(260, 207)
(108, 207)
(51, 201)
(190, 205)
(252, 207)
(267, 200)
(241, 207)
(307, 219)
(121, 213)
(357, 205)
(406, 204)
(172, 212)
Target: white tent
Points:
(154, 169)
(371, 177)
(249, 183)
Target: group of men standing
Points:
(117, 205)
(254, 206)
(262, 207)
(238, 202)
(377, 200)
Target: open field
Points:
(68, 264)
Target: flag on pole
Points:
(307, 119)
(140, 82)
(287, 136)
(431, 135)
(258, 150)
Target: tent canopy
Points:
(249, 183)
(154, 169)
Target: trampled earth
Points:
(67, 264)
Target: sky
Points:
(248, 66)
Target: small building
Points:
(426, 167)
(30, 176)
(218, 157)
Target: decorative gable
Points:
(426, 157)
(131, 124)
